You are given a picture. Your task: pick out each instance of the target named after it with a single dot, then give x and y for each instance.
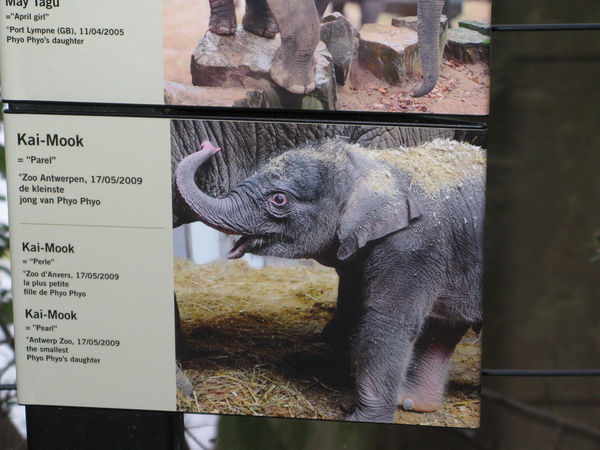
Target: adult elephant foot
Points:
(264, 26)
(222, 26)
(293, 66)
(257, 19)
(222, 17)
(295, 74)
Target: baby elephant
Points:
(403, 228)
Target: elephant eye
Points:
(278, 199)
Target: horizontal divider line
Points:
(547, 27)
(540, 373)
(91, 226)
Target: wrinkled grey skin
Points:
(252, 145)
(293, 66)
(430, 14)
(298, 21)
(409, 262)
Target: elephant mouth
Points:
(245, 244)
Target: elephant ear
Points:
(380, 204)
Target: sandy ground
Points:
(462, 89)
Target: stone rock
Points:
(244, 60)
(325, 94)
(412, 23)
(409, 22)
(480, 27)
(323, 97)
(226, 61)
(180, 94)
(339, 35)
(389, 52)
(467, 46)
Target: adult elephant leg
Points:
(257, 19)
(322, 6)
(222, 17)
(293, 66)
(370, 10)
(430, 14)
(423, 389)
(338, 6)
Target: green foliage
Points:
(6, 309)
(4, 243)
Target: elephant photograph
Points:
(411, 56)
(329, 271)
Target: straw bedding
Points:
(256, 349)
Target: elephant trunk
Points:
(229, 214)
(429, 15)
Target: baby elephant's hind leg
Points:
(423, 389)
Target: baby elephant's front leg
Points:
(381, 355)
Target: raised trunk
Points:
(228, 215)
(430, 14)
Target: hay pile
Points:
(256, 347)
(435, 165)
(248, 328)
